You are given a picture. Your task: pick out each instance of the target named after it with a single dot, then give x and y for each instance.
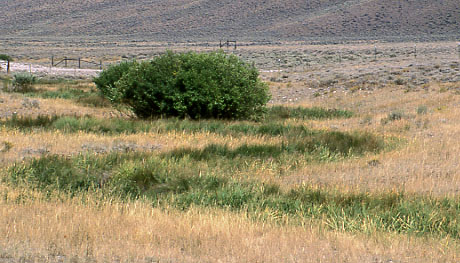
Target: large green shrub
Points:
(106, 80)
(195, 85)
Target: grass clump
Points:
(116, 126)
(392, 116)
(55, 81)
(422, 110)
(130, 174)
(99, 126)
(5, 146)
(73, 124)
(61, 93)
(327, 145)
(395, 116)
(27, 123)
(282, 112)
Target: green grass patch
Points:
(117, 126)
(331, 145)
(61, 93)
(27, 123)
(282, 112)
(73, 124)
(57, 81)
(102, 126)
(5, 83)
(184, 182)
(296, 138)
(87, 98)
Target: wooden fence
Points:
(79, 60)
(228, 43)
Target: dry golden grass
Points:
(85, 228)
(71, 230)
(428, 160)
(14, 103)
(57, 142)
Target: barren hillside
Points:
(251, 19)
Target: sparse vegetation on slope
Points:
(272, 19)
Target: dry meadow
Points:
(406, 95)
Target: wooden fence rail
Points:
(65, 59)
(228, 43)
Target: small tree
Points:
(7, 59)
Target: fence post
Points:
(79, 62)
(7, 66)
(100, 64)
(375, 53)
(52, 61)
(65, 61)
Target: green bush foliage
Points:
(5, 57)
(23, 82)
(194, 85)
(106, 80)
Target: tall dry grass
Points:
(59, 229)
(426, 162)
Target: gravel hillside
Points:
(189, 20)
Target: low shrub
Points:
(23, 82)
(5, 146)
(395, 115)
(422, 109)
(400, 81)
